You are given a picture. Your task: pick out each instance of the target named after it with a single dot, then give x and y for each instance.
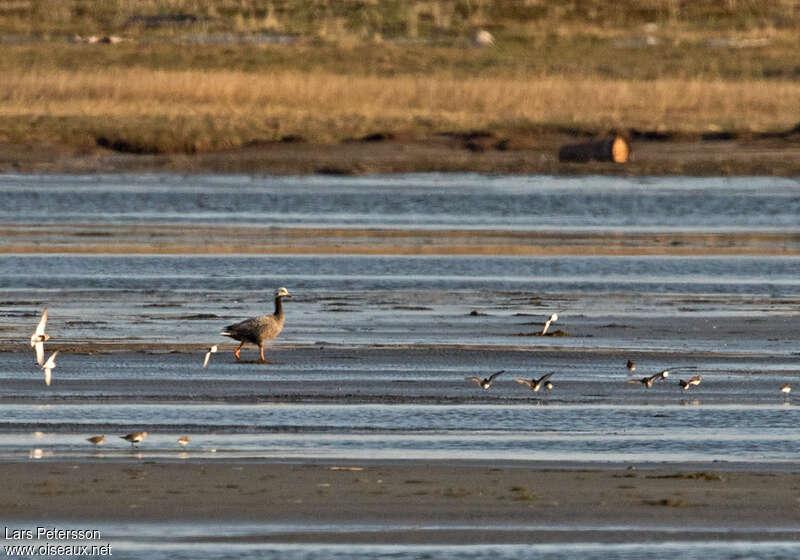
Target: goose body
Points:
(259, 329)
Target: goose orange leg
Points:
(236, 352)
(261, 351)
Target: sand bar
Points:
(248, 239)
(533, 500)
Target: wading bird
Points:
(259, 329)
(134, 437)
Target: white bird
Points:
(553, 318)
(39, 337)
(49, 366)
(211, 350)
(482, 38)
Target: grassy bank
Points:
(164, 111)
(189, 77)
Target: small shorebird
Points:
(646, 381)
(211, 350)
(548, 386)
(486, 382)
(259, 329)
(663, 374)
(694, 381)
(134, 437)
(552, 319)
(535, 384)
(39, 337)
(631, 366)
(184, 441)
(48, 367)
(97, 440)
(786, 389)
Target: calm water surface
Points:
(430, 201)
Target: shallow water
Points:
(245, 541)
(372, 361)
(429, 201)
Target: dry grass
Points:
(204, 110)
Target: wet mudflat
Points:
(381, 332)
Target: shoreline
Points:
(189, 239)
(524, 155)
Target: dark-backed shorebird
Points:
(693, 382)
(486, 382)
(631, 366)
(134, 437)
(535, 384)
(39, 337)
(259, 329)
(96, 440)
(646, 381)
(183, 441)
(786, 389)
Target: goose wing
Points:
(495, 374)
(527, 382)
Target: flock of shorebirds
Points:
(260, 329)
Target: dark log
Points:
(611, 149)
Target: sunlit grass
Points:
(203, 110)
